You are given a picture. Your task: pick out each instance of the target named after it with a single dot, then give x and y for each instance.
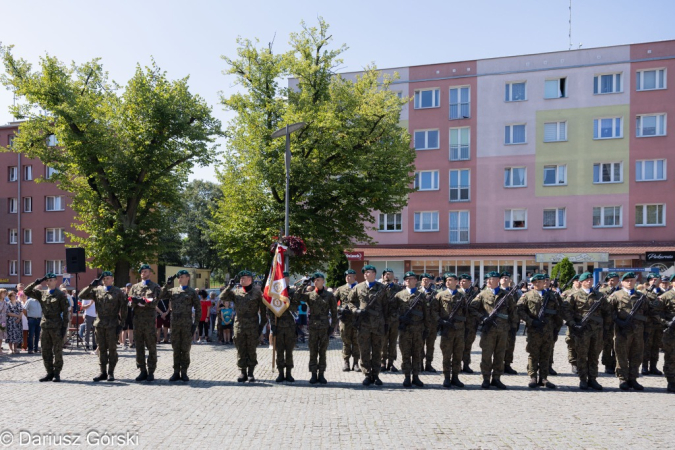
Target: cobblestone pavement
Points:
(214, 411)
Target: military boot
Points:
(645, 369)
(281, 376)
(635, 385)
(653, 370)
(57, 377)
(242, 376)
(609, 369)
(322, 379)
(593, 383)
(671, 385)
(552, 372)
(367, 381)
(406, 380)
(143, 376)
(356, 367)
(416, 381)
(486, 382)
(446, 381)
(175, 377)
(509, 370)
(466, 369)
(429, 368)
(314, 379)
(533, 383)
(48, 377)
(624, 385)
(583, 385)
(103, 376)
(289, 377)
(251, 378)
(548, 384)
(376, 380)
(151, 375)
(455, 381)
(383, 367)
(346, 367)
(111, 375)
(496, 382)
(392, 367)
(184, 375)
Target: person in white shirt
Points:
(89, 308)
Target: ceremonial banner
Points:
(275, 292)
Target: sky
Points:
(189, 37)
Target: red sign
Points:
(354, 256)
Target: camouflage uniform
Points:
(181, 301)
(249, 309)
(410, 339)
(350, 345)
(145, 323)
(452, 335)
(653, 334)
(470, 331)
(539, 340)
(569, 339)
(628, 343)
(111, 312)
(321, 304)
(558, 323)
(608, 353)
(391, 336)
(55, 310)
(430, 341)
(511, 339)
(668, 340)
(370, 324)
(284, 333)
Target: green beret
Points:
(286, 274)
(143, 267)
(50, 275)
(387, 269)
(538, 277)
(665, 279)
(350, 272)
(465, 276)
(492, 275)
(426, 275)
(245, 273)
(575, 277)
(409, 274)
(546, 276)
(182, 272)
(107, 273)
(652, 275)
(318, 275)
(585, 276)
(368, 267)
(612, 275)
(672, 278)
(628, 275)
(449, 275)
(505, 274)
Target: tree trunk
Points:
(122, 273)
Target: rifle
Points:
(489, 321)
(568, 284)
(403, 320)
(450, 320)
(628, 323)
(366, 309)
(594, 307)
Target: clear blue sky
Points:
(188, 37)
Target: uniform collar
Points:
(184, 287)
(351, 286)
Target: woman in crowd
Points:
(14, 327)
(24, 319)
(3, 317)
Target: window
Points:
(515, 219)
(650, 125)
(460, 185)
(388, 222)
(55, 203)
(52, 141)
(459, 144)
(610, 128)
(426, 139)
(13, 236)
(515, 177)
(608, 173)
(515, 92)
(650, 170)
(554, 218)
(607, 84)
(49, 171)
(27, 236)
(426, 221)
(514, 134)
(27, 173)
(56, 266)
(460, 103)
(56, 235)
(13, 173)
(427, 98)
(650, 215)
(555, 131)
(555, 88)
(426, 180)
(13, 205)
(648, 80)
(459, 227)
(606, 216)
(14, 267)
(27, 268)
(28, 204)
(555, 175)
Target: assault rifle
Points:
(628, 323)
(405, 320)
(366, 309)
(489, 321)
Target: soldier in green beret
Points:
(350, 344)
(505, 283)
(144, 298)
(391, 337)
(283, 330)
(452, 311)
(608, 355)
(428, 286)
(653, 328)
(111, 311)
(668, 321)
(54, 323)
(569, 339)
(182, 299)
(471, 326)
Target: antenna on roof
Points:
(570, 25)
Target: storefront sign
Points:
(4, 280)
(354, 256)
(660, 257)
(573, 257)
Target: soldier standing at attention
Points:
(493, 343)
(471, 326)
(390, 338)
(350, 345)
(553, 290)
(181, 301)
(111, 312)
(452, 301)
(283, 329)
(414, 322)
(429, 287)
(249, 310)
(628, 340)
(653, 328)
(145, 296)
(505, 283)
(321, 303)
(368, 303)
(569, 339)
(668, 321)
(608, 354)
(54, 323)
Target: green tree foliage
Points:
(335, 275)
(123, 153)
(564, 270)
(351, 159)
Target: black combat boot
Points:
(376, 380)
(496, 382)
(242, 376)
(455, 381)
(143, 376)
(406, 380)
(509, 370)
(356, 367)
(314, 378)
(429, 368)
(322, 379)
(446, 381)
(593, 383)
(57, 377)
(552, 372)
(635, 385)
(111, 375)
(548, 384)
(609, 369)
(184, 375)
(533, 383)
(48, 377)
(151, 375)
(416, 381)
(367, 381)
(251, 378)
(645, 369)
(174, 377)
(671, 385)
(583, 385)
(653, 370)
(281, 376)
(346, 367)
(624, 385)
(392, 367)
(466, 369)
(383, 367)
(289, 377)
(486, 382)
(103, 376)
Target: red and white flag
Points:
(275, 292)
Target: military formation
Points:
(628, 327)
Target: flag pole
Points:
(274, 342)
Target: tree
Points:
(335, 276)
(564, 270)
(351, 158)
(123, 152)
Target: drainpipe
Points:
(19, 269)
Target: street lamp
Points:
(286, 131)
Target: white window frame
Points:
(639, 80)
(459, 146)
(560, 131)
(508, 91)
(597, 80)
(52, 141)
(612, 171)
(417, 100)
(383, 223)
(641, 170)
(459, 105)
(60, 201)
(13, 174)
(13, 236)
(661, 125)
(27, 204)
(27, 268)
(434, 180)
(510, 170)
(59, 235)
(460, 229)
(645, 215)
(27, 236)
(55, 266)
(597, 124)
(510, 211)
(426, 139)
(558, 225)
(13, 205)
(49, 172)
(13, 267)
(560, 90)
(423, 214)
(28, 173)
(510, 131)
(558, 168)
(460, 187)
(602, 216)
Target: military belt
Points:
(502, 316)
(417, 313)
(640, 317)
(550, 311)
(460, 318)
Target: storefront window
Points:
(531, 267)
(417, 267)
(490, 266)
(463, 266)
